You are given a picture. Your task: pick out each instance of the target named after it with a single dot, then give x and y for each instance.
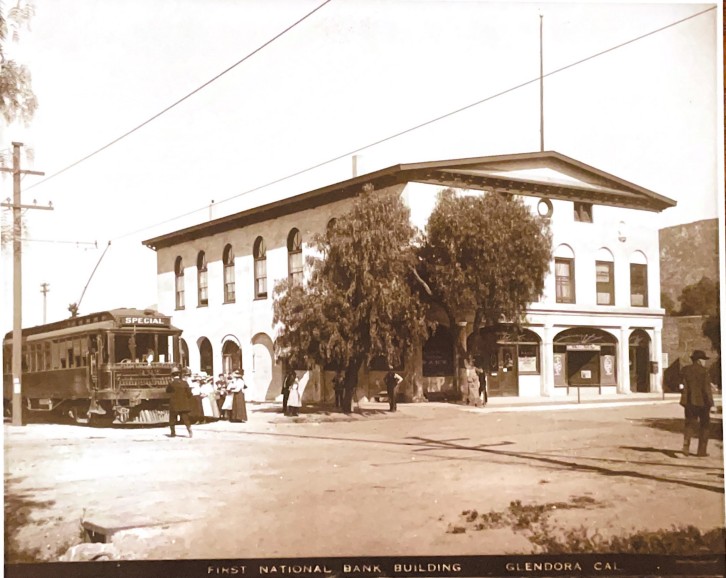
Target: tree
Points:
(17, 100)
(357, 303)
(666, 301)
(484, 256)
(700, 298)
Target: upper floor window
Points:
(202, 283)
(179, 283)
(260, 254)
(583, 212)
(605, 278)
(638, 280)
(228, 259)
(294, 257)
(565, 279)
(564, 274)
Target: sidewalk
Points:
(271, 412)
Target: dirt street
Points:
(380, 484)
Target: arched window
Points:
(565, 274)
(605, 277)
(202, 293)
(294, 257)
(638, 280)
(179, 283)
(260, 254)
(228, 260)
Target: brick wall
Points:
(688, 252)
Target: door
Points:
(503, 379)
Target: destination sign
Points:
(151, 321)
(583, 347)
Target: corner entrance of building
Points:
(639, 345)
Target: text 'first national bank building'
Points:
(598, 324)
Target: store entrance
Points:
(503, 379)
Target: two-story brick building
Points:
(598, 324)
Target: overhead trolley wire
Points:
(428, 122)
(168, 108)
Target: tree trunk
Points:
(459, 357)
(351, 383)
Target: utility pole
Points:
(44, 288)
(17, 279)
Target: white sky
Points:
(353, 73)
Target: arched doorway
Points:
(262, 362)
(585, 357)
(639, 346)
(206, 363)
(184, 348)
(231, 355)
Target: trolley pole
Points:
(44, 288)
(17, 279)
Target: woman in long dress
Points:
(239, 405)
(209, 400)
(294, 402)
(196, 415)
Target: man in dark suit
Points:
(697, 400)
(180, 402)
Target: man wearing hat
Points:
(697, 400)
(180, 401)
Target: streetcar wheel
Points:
(79, 414)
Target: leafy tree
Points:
(712, 330)
(357, 303)
(700, 298)
(17, 100)
(485, 255)
(666, 301)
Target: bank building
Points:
(597, 327)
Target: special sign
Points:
(149, 321)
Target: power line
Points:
(168, 108)
(426, 123)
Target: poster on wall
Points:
(607, 370)
(559, 369)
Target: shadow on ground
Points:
(324, 411)
(19, 507)
(675, 425)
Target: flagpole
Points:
(541, 90)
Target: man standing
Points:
(697, 400)
(180, 402)
(392, 380)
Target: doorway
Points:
(503, 379)
(639, 362)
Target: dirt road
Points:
(384, 484)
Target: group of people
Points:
(198, 397)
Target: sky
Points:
(352, 74)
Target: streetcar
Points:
(110, 367)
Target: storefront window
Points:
(528, 358)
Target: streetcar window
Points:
(55, 355)
(38, 357)
(24, 366)
(7, 359)
(78, 358)
(47, 364)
